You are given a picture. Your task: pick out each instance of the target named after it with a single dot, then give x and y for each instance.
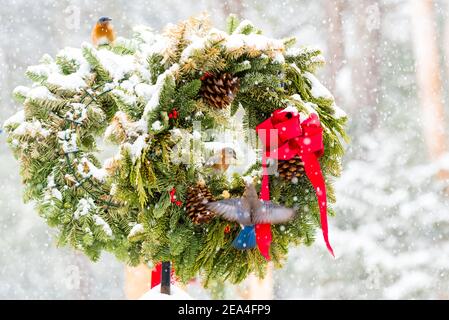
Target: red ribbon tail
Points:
(263, 231)
(263, 239)
(156, 275)
(313, 172)
(265, 188)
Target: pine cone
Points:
(197, 198)
(289, 169)
(219, 90)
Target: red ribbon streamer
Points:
(287, 138)
(263, 231)
(156, 275)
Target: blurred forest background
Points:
(388, 65)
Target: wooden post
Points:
(262, 289)
(429, 81)
(258, 289)
(165, 277)
(137, 281)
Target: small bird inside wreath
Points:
(249, 211)
(103, 32)
(221, 161)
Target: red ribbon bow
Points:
(285, 137)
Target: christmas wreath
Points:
(170, 190)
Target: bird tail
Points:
(246, 239)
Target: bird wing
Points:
(272, 213)
(232, 210)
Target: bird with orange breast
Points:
(220, 162)
(103, 32)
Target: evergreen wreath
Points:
(145, 94)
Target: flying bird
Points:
(103, 32)
(221, 162)
(249, 211)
